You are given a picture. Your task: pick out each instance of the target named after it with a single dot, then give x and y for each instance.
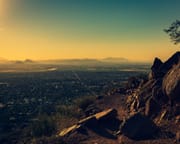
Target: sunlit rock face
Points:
(155, 69)
(171, 83)
(162, 88)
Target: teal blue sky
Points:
(134, 25)
(112, 19)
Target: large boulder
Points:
(106, 114)
(138, 127)
(159, 69)
(69, 130)
(155, 69)
(158, 95)
(88, 121)
(163, 85)
(171, 83)
(91, 121)
(145, 92)
(173, 60)
(152, 108)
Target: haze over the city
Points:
(66, 29)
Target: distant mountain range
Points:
(115, 60)
(27, 61)
(86, 61)
(5, 61)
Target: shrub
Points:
(68, 111)
(43, 126)
(84, 102)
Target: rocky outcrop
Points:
(162, 88)
(91, 121)
(69, 130)
(159, 69)
(171, 83)
(148, 104)
(151, 108)
(107, 114)
(173, 60)
(138, 127)
(155, 69)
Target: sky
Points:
(65, 29)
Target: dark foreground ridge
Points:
(148, 113)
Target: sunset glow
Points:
(54, 29)
(2, 8)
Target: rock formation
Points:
(139, 127)
(171, 83)
(162, 88)
(154, 100)
(91, 121)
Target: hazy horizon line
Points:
(122, 59)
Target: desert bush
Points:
(68, 111)
(43, 126)
(84, 102)
(134, 82)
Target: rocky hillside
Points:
(161, 93)
(149, 113)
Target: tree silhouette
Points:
(174, 32)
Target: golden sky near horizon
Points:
(42, 36)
